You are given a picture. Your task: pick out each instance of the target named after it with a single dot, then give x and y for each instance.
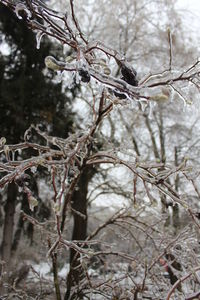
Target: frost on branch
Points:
(39, 36)
(91, 59)
(21, 10)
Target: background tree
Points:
(27, 96)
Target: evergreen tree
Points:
(27, 95)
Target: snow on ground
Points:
(43, 270)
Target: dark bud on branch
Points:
(129, 75)
(85, 76)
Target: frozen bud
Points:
(32, 202)
(129, 75)
(85, 76)
(56, 208)
(2, 141)
(53, 64)
(69, 59)
(90, 253)
(107, 71)
(159, 98)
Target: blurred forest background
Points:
(139, 241)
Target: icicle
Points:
(143, 105)
(77, 78)
(184, 102)
(13, 155)
(39, 36)
(21, 7)
(171, 97)
(6, 150)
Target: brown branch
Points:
(76, 22)
(170, 48)
(181, 280)
(193, 296)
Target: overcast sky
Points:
(192, 17)
(193, 5)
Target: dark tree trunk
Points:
(79, 206)
(175, 216)
(8, 228)
(8, 223)
(20, 224)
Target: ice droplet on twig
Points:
(39, 36)
(21, 7)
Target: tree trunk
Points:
(8, 228)
(175, 216)
(8, 223)
(79, 207)
(20, 225)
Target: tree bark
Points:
(20, 224)
(79, 207)
(8, 228)
(8, 223)
(175, 216)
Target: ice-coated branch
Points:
(65, 28)
(182, 279)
